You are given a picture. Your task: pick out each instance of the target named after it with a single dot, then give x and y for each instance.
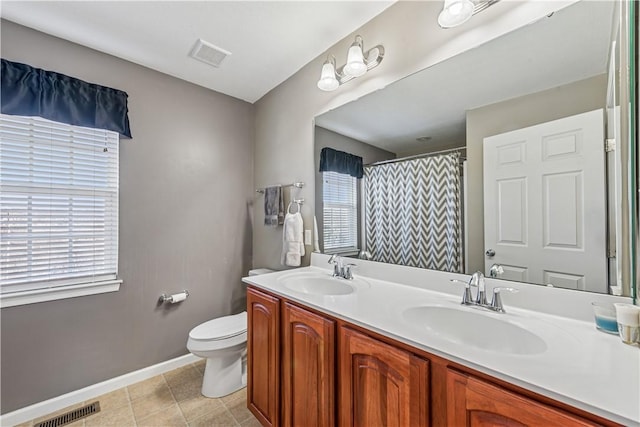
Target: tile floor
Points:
(171, 399)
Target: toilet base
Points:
(223, 376)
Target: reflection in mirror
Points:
(494, 158)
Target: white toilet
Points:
(223, 342)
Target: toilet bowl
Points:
(223, 342)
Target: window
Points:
(58, 210)
(340, 212)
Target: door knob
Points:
(490, 253)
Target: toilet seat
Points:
(220, 328)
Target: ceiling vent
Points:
(208, 53)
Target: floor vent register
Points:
(71, 416)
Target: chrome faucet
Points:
(340, 269)
(337, 265)
(477, 281)
(496, 270)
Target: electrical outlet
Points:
(307, 237)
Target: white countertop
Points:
(582, 366)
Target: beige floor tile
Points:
(183, 374)
(113, 400)
(199, 365)
(146, 387)
(251, 422)
(238, 409)
(170, 416)
(198, 406)
(27, 424)
(121, 417)
(60, 412)
(217, 418)
(187, 389)
(153, 403)
(160, 399)
(240, 394)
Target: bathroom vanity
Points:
(324, 351)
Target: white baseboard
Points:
(55, 404)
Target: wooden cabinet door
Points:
(380, 385)
(307, 369)
(474, 403)
(263, 357)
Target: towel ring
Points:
(291, 204)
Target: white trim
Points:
(465, 213)
(60, 292)
(55, 404)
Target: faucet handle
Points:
(348, 274)
(466, 296)
(496, 301)
(333, 259)
(499, 289)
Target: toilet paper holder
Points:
(174, 298)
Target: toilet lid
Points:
(221, 328)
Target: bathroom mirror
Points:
(563, 70)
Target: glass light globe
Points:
(328, 81)
(355, 66)
(455, 12)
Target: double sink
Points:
(466, 326)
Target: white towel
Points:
(292, 240)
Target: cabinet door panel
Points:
(307, 368)
(476, 403)
(263, 363)
(377, 387)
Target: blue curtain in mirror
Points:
(339, 161)
(29, 91)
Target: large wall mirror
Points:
(511, 158)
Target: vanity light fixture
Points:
(457, 12)
(358, 63)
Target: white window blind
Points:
(340, 212)
(58, 204)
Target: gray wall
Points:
(326, 138)
(568, 100)
(412, 41)
(186, 189)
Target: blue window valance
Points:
(29, 91)
(338, 161)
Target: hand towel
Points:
(273, 206)
(292, 240)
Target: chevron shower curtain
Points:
(412, 212)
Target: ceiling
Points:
(570, 45)
(269, 40)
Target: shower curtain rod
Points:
(417, 156)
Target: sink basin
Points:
(320, 284)
(474, 328)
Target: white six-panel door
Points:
(544, 203)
